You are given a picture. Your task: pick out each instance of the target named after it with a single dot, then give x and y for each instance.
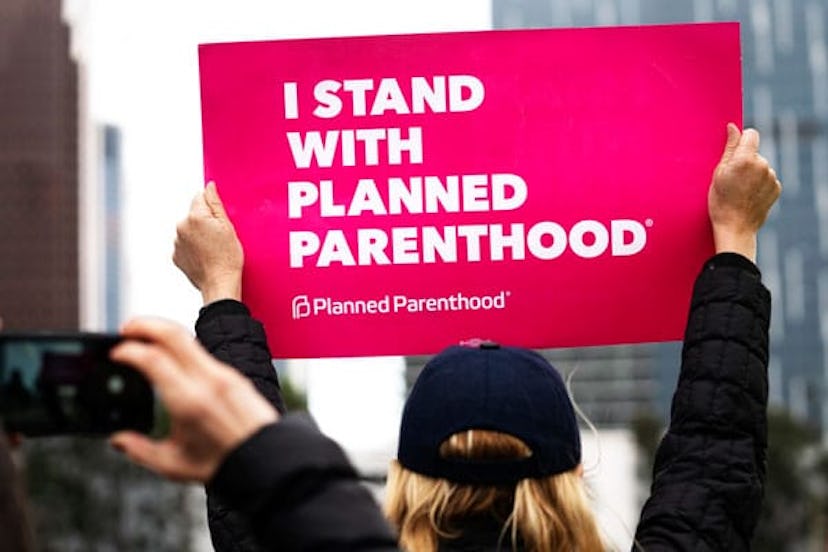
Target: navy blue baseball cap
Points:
(485, 386)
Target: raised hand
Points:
(212, 407)
(743, 190)
(207, 249)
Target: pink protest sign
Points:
(542, 188)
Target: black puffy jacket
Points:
(227, 330)
(709, 472)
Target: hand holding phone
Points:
(212, 407)
(54, 384)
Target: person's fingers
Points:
(153, 329)
(214, 201)
(749, 142)
(127, 441)
(777, 191)
(177, 249)
(199, 207)
(174, 339)
(158, 456)
(733, 136)
(151, 361)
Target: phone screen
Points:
(62, 384)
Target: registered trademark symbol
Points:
(508, 294)
(649, 223)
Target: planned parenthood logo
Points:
(304, 306)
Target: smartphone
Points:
(58, 384)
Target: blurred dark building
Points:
(38, 168)
(785, 70)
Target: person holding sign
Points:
(472, 473)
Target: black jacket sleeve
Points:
(300, 492)
(710, 467)
(227, 330)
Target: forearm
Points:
(726, 350)
(711, 463)
(300, 492)
(227, 330)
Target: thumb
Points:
(214, 201)
(153, 455)
(135, 446)
(733, 137)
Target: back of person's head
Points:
(15, 531)
(489, 439)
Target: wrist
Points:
(216, 291)
(743, 243)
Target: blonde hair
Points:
(546, 514)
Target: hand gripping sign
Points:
(543, 188)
